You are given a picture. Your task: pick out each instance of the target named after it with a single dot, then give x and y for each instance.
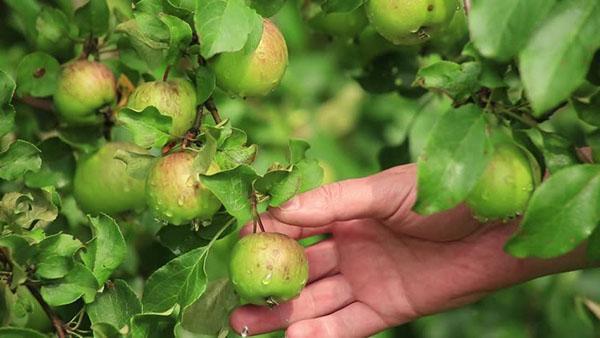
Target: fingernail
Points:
(291, 205)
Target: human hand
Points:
(385, 265)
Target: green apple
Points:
(268, 268)
(506, 185)
(84, 87)
(102, 184)
(175, 98)
(410, 22)
(341, 24)
(175, 193)
(254, 73)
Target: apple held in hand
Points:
(82, 89)
(102, 184)
(174, 192)
(506, 185)
(175, 98)
(268, 268)
(254, 73)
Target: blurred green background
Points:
(354, 133)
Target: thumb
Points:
(386, 195)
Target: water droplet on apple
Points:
(267, 279)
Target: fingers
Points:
(273, 225)
(317, 299)
(355, 320)
(322, 260)
(385, 195)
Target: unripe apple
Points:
(175, 98)
(410, 22)
(506, 185)
(102, 184)
(84, 87)
(255, 73)
(268, 268)
(175, 193)
(341, 24)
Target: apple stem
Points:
(255, 215)
(166, 73)
(212, 108)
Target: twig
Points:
(54, 318)
(212, 108)
(33, 289)
(467, 6)
(42, 104)
(193, 132)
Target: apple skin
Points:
(175, 98)
(268, 268)
(175, 193)
(84, 87)
(256, 73)
(102, 184)
(411, 22)
(341, 24)
(504, 189)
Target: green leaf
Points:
(107, 250)
(456, 155)
(148, 127)
(7, 88)
(500, 29)
(205, 83)
(549, 228)
(459, 81)
(52, 27)
(589, 111)
(20, 158)
(58, 165)
(213, 307)
(331, 6)
(86, 139)
(179, 282)
(267, 8)
(93, 18)
(558, 152)
(54, 255)
(180, 36)
(79, 282)
(233, 188)
(180, 239)
(593, 247)
(224, 25)
(564, 44)
(138, 165)
(153, 325)
(105, 330)
(34, 208)
(7, 121)
(116, 305)
(18, 332)
(148, 36)
(37, 75)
